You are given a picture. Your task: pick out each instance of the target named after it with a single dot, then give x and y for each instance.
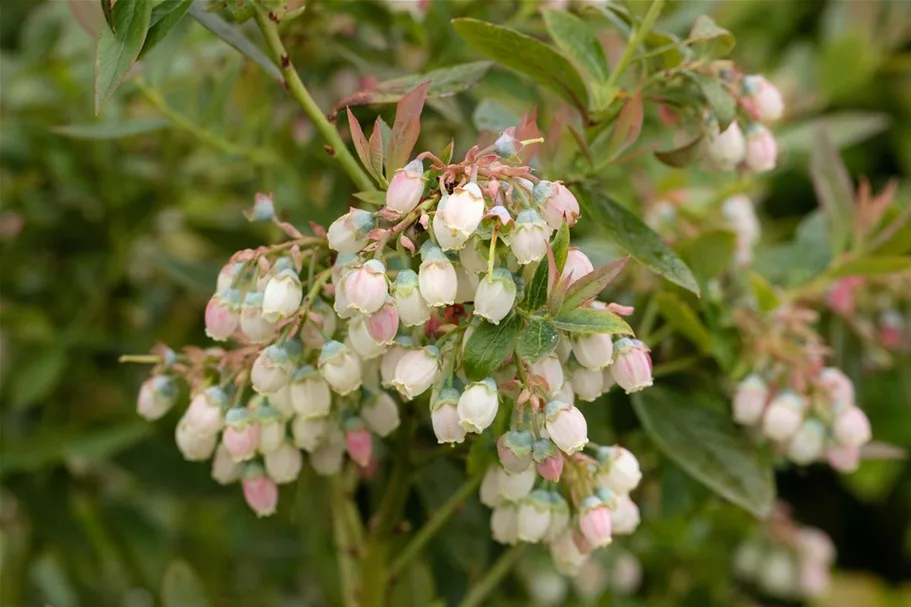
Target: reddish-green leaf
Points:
(406, 128)
(628, 127)
(591, 284)
(558, 294)
(375, 149)
(361, 146)
(833, 190)
(591, 321)
(682, 156)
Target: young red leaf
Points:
(590, 285)
(558, 294)
(406, 128)
(361, 145)
(628, 127)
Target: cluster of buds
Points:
(786, 560)
(573, 502)
(617, 571)
(752, 147)
(339, 332)
(807, 411)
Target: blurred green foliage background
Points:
(112, 230)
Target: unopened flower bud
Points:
(566, 426)
(750, 400)
(366, 288)
(839, 388)
(556, 204)
(361, 341)
(412, 308)
(241, 435)
(384, 323)
(224, 469)
(271, 428)
(534, 516)
(391, 358)
(327, 459)
(726, 149)
(632, 368)
(381, 414)
(548, 459)
(564, 551)
(358, 442)
(783, 416)
(405, 188)
(437, 278)
(444, 416)
(843, 458)
(223, 314)
(815, 545)
(566, 393)
(227, 275)
(514, 450)
(559, 517)
(550, 370)
(282, 297)
(473, 256)
(270, 372)
(761, 98)
(576, 266)
(284, 463)
(852, 427)
(314, 334)
(156, 397)
(348, 233)
(340, 367)
(478, 406)
(813, 579)
(587, 384)
(260, 491)
(595, 522)
(309, 433)
(778, 573)
(529, 237)
(619, 470)
(255, 327)
(514, 487)
(808, 444)
(762, 149)
(496, 296)
(310, 395)
(504, 524)
(464, 209)
(624, 516)
(205, 415)
(341, 306)
(446, 237)
(194, 445)
(416, 371)
(489, 493)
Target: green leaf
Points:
(117, 53)
(528, 56)
(444, 82)
(844, 128)
(591, 321)
(764, 292)
(181, 586)
(195, 276)
(639, 240)
(234, 37)
(414, 586)
(536, 294)
(721, 102)
(872, 266)
(707, 445)
(709, 254)
(685, 320)
(377, 197)
(713, 41)
(538, 339)
(165, 16)
(489, 346)
(491, 115)
(576, 39)
(375, 149)
(682, 156)
(834, 193)
(590, 285)
(37, 376)
(405, 129)
(107, 9)
(111, 130)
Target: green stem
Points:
(433, 525)
(674, 366)
(640, 33)
(345, 542)
(494, 575)
(300, 93)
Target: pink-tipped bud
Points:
(260, 491)
(384, 324)
(514, 450)
(361, 341)
(726, 149)
(366, 288)
(556, 204)
(566, 426)
(594, 351)
(619, 469)
(223, 314)
(762, 149)
(495, 295)
(284, 464)
(271, 370)
(783, 416)
(156, 397)
(340, 367)
(528, 239)
(839, 388)
(514, 487)
(417, 371)
(282, 296)
(534, 516)
(227, 276)
(548, 459)
(444, 417)
(358, 442)
(478, 406)
(437, 277)
(750, 400)
(550, 370)
(348, 233)
(241, 435)
(841, 294)
(852, 427)
(844, 458)
(632, 368)
(595, 522)
(761, 98)
(577, 265)
(381, 415)
(412, 308)
(624, 516)
(405, 188)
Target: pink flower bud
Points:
(566, 427)
(577, 265)
(852, 427)
(762, 150)
(464, 209)
(241, 435)
(478, 406)
(284, 464)
(761, 98)
(567, 557)
(348, 233)
(750, 400)
(808, 444)
(587, 385)
(444, 416)
(156, 397)
(783, 416)
(529, 237)
(595, 522)
(224, 469)
(548, 460)
(839, 388)
(405, 188)
(416, 371)
(515, 486)
(534, 516)
(726, 149)
(412, 308)
(227, 275)
(489, 494)
(194, 445)
(261, 493)
(594, 351)
(384, 324)
(504, 524)
(514, 450)
(205, 414)
(624, 515)
(815, 545)
(256, 328)
(619, 470)
(550, 370)
(310, 395)
(223, 314)
(358, 442)
(340, 367)
(632, 368)
(365, 287)
(813, 579)
(282, 297)
(361, 341)
(437, 278)
(556, 204)
(271, 370)
(844, 458)
(496, 296)
(841, 294)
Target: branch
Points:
(479, 591)
(638, 37)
